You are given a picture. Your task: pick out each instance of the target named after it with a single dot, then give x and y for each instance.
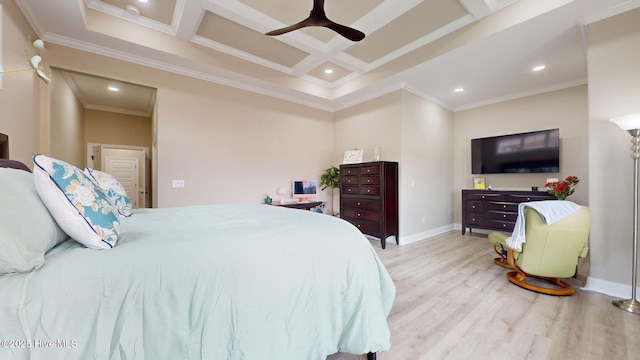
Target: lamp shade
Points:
(627, 122)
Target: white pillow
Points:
(27, 230)
(80, 208)
(113, 188)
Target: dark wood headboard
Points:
(14, 164)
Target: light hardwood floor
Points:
(453, 302)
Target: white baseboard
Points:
(606, 287)
(405, 240)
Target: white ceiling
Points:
(428, 47)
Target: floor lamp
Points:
(631, 123)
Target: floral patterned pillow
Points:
(113, 188)
(80, 208)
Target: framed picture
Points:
(479, 183)
(352, 156)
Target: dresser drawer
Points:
(369, 190)
(369, 180)
(500, 225)
(526, 198)
(474, 219)
(504, 206)
(370, 170)
(350, 171)
(349, 180)
(473, 205)
(361, 204)
(351, 189)
(366, 227)
(356, 214)
(501, 215)
(485, 196)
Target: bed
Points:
(233, 281)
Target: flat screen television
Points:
(530, 152)
(304, 189)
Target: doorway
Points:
(89, 111)
(129, 165)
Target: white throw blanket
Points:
(550, 211)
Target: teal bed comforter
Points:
(204, 282)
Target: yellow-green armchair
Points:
(550, 252)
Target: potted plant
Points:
(562, 189)
(330, 178)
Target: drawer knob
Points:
(504, 206)
(368, 180)
(504, 225)
(348, 190)
(483, 196)
(358, 204)
(358, 214)
(474, 220)
(528, 199)
(473, 207)
(368, 170)
(368, 190)
(504, 216)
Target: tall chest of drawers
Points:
(495, 210)
(369, 198)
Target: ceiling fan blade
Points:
(317, 17)
(284, 30)
(349, 33)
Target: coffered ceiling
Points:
(429, 47)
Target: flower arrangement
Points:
(562, 189)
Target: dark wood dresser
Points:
(495, 210)
(369, 198)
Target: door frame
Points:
(89, 157)
(148, 185)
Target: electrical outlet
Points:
(177, 184)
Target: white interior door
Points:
(126, 171)
(122, 166)
(96, 157)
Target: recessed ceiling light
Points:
(458, 90)
(328, 71)
(143, 1)
(538, 68)
(132, 10)
(113, 88)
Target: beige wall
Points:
(227, 145)
(20, 93)
(614, 90)
(375, 122)
(67, 130)
(564, 109)
(426, 170)
(233, 146)
(416, 133)
(106, 127)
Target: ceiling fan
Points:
(317, 17)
